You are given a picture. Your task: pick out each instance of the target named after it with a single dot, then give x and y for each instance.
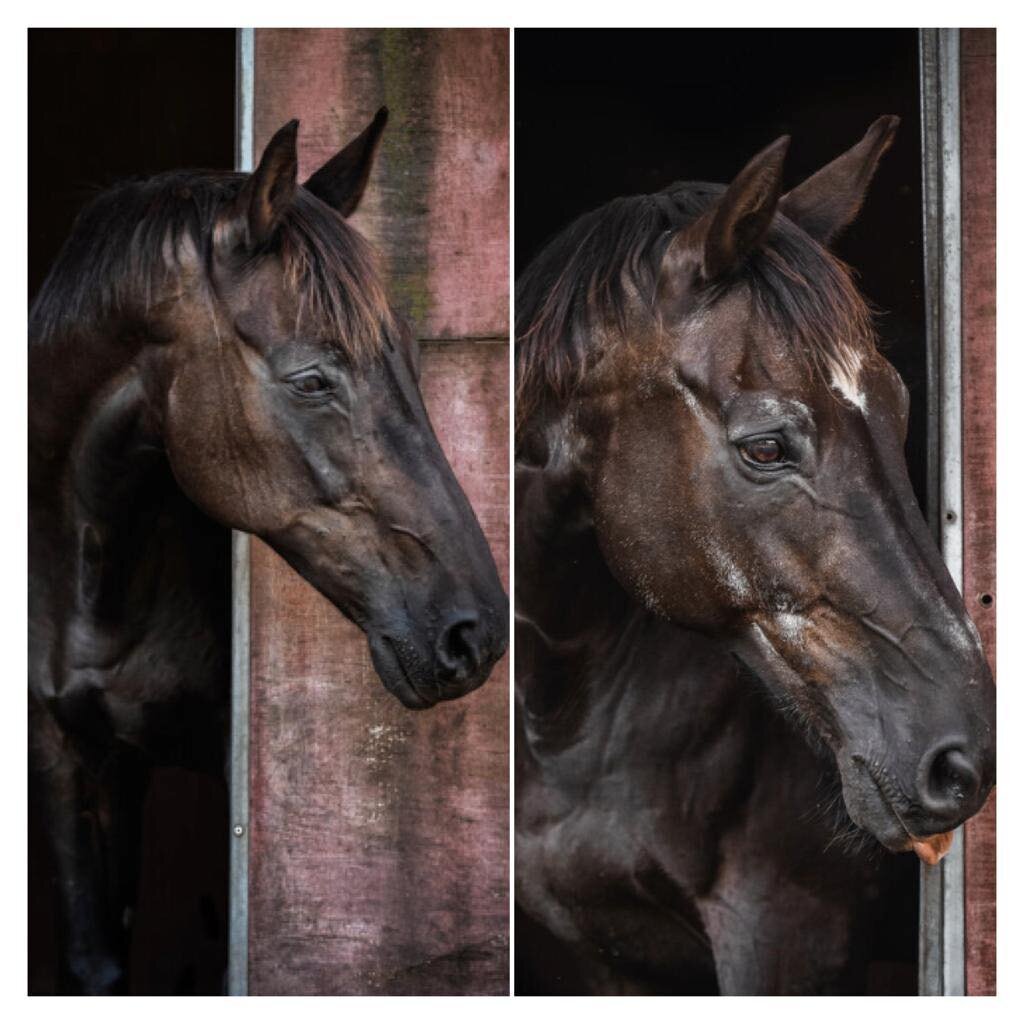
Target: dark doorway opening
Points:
(604, 113)
(105, 105)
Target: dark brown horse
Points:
(729, 605)
(216, 350)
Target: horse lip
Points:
(902, 840)
(907, 838)
(398, 682)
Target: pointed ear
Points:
(743, 215)
(271, 187)
(829, 200)
(341, 181)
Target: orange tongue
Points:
(932, 849)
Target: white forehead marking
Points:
(689, 400)
(846, 379)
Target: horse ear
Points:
(743, 215)
(270, 189)
(341, 181)
(830, 199)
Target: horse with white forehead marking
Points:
(729, 604)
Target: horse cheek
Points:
(212, 436)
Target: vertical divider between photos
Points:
(511, 508)
(238, 885)
(941, 938)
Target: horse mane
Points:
(127, 243)
(589, 275)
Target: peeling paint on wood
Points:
(379, 836)
(978, 267)
(437, 204)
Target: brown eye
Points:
(763, 451)
(309, 383)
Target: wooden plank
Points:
(379, 836)
(978, 141)
(437, 205)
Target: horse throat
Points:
(589, 655)
(563, 617)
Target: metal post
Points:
(941, 948)
(238, 896)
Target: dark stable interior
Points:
(105, 105)
(602, 113)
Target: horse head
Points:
(286, 396)
(718, 401)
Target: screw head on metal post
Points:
(239, 830)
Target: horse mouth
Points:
(395, 677)
(929, 849)
(876, 809)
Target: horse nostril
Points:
(949, 779)
(459, 646)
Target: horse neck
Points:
(595, 668)
(106, 512)
(626, 723)
(68, 371)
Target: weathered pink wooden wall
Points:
(379, 836)
(978, 269)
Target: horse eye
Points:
(309, 384)
(763, 451)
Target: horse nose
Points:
(460, 646)
(949, 781)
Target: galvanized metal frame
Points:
(941, 964)
(238, 894)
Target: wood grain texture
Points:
(978, 267)
(437, 204)
(379, 836)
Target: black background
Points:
(601, 113)
(104, 105)
(110, 104)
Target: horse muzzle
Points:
(459, 660)
(919, 812)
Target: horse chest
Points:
(155, 674)
(154, 688)
(593, 880)
(663, 815)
